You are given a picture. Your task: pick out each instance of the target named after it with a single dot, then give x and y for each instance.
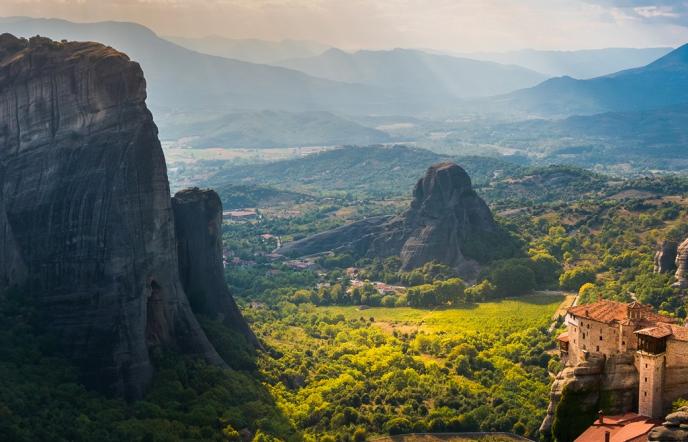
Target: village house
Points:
(659, 345)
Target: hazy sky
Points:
(458, 25)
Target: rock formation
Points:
(594, 383)
(445, 214)
(665, 258)
(682, 265)
(198, 223)
(86, 221)
(674, 429)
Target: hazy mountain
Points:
(663, 82)
(181, 79)
(580, 64)
(271, 129)
(252, 50)
(416, 72)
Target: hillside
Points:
(661, 83)
(624, 142)
(370, 171)
(416, 72)
(242, 196)
(265, 129)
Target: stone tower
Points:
(651, 370)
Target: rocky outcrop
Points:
(665, 257)
(674, 428)
(682, 265)
(445, 214)
(595, 383)
(86, 221)
(198, 224)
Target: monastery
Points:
(658, 343)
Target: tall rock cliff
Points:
(444, 218)
(198, 223)
(665, 257)
(579, 391)
(86, 220)
(682, 265)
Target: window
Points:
(583, 335)
(623, 342)
(645, 365)
(645, 393)
(645, 379)
(598, 348)
(600, 338)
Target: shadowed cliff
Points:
(86, 221)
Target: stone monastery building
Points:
(658, 343)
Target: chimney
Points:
(601, 414)
(607, 436)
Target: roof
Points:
(663, 330)
(564, 337)
(607, 311)
(625, 428)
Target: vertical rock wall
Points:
(198, 221)
(86, 221)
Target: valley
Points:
(298, 237)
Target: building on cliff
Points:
(656, 343)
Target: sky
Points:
(448, 25)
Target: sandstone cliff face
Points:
(86, 221)
(665, 258)
(610, 384)
(445, 213)
(682, 265)
(198, 224)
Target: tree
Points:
(573, 279)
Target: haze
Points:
(450, 25)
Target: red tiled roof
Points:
(626, 428)
(660, 331)
(663, 330)
(564, 337)
(612, 311)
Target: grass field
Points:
(504, 316)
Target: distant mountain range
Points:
(181, 79)
(251, 49)
(581, 64)
(661, 83)
(417, 73)
(270, 129)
